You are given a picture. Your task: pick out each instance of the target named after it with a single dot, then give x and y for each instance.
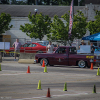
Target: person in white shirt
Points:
(50, 47)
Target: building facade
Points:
(19, 17)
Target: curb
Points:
(26, 61)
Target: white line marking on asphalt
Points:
(68, 94)
(13, 74)
(52, 96)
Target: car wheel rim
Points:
(45, 61)
(81, 64)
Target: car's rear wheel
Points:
(45, 61)
(11, 53)
(82, 64)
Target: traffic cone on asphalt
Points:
(39, 85)
(0, 67)
(94, 89)
(28, 70)
(65, 87)
(43, 64)
(45, 69)
(91, 66)
(98, 73)
(48, 93)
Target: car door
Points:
(61, 56)
(31, 48)
(38, 48)
(23, 47)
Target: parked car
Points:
(28, 48)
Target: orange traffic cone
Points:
(28, 70)
(43, 64)
(91, 66)
(48, 93)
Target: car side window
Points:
(61, 50)
(33, 45)
(30, 45)
(27, 45)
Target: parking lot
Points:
(17, 84)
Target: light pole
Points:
(35, 11)
(79, 2)
(35, 14)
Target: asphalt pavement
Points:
(17, 84)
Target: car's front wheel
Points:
(45, 61)
(82, 64)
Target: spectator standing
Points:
(82, 43)
(92, 48)
(16, 46)
(50, 47)
(57, 46)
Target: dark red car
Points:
(28, 48)
(67, 55)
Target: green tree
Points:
(39, 26)
(4, 22)
(94, 26)
(4, 1)
(54, 2)
(59, 29)
(31, 1)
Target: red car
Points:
(28, 48)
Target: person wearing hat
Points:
(82, 43)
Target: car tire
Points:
(82, 64)
(39, 51)
(45, 61)
(11, 53)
